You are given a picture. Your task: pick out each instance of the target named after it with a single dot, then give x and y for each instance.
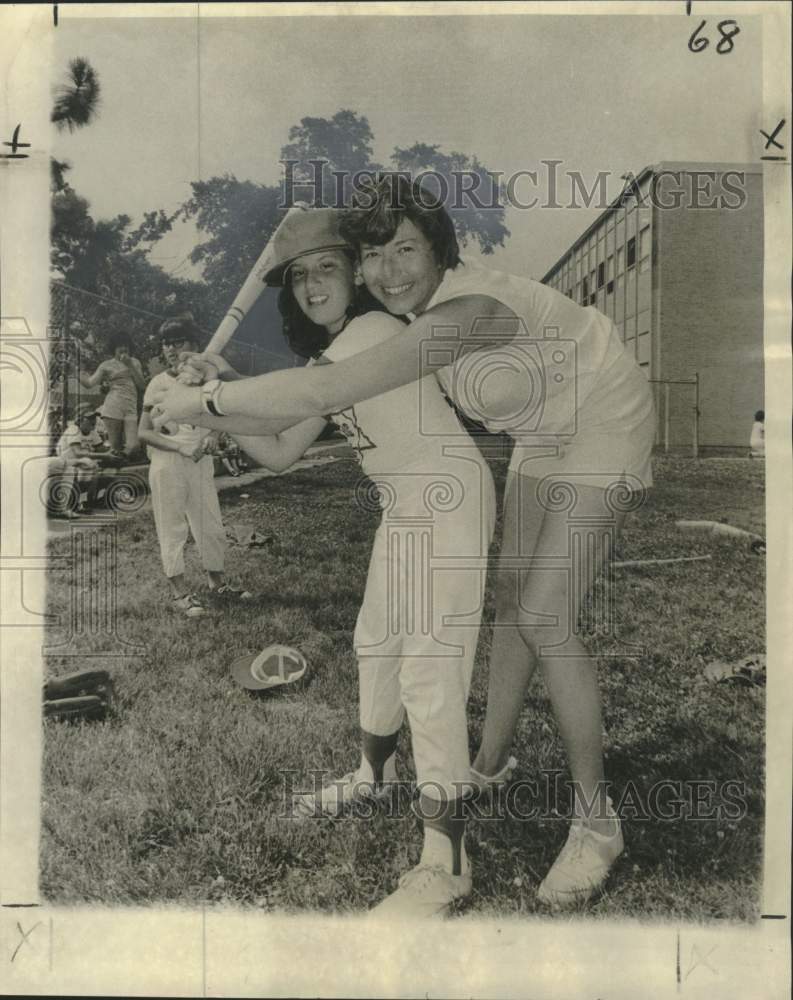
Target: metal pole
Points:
(696, 414)
(666, 418)
(66, 346)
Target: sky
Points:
(191, 97)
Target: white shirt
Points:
(402, 429)
(186, 433)
(539, 381)
(73, 440)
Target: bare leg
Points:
(115, 433)
(512, 663)
(569, 672)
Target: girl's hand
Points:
(204, 367)
(179, 404)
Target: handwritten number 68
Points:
(727, 29)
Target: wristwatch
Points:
(210, 393)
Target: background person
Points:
(181, 479)
(79, 455)
(757, 437)
(119, 410)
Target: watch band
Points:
(210, 392)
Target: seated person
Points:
(78, 456)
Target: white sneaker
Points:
(189, 606)
(424, 891)
(339, 795)
(481, 782)
(582, 866)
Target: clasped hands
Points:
(180, 403)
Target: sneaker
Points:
(424, 891)
(482, 782)
(189, 606)
(229, 590)
(339, 795)
(582, 866)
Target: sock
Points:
(378, 757)
(444, 833)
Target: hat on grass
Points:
(308, 230)
(274, 666)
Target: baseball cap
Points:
(274, 666)
(85, 410)
(306, 231)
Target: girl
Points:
(119, 411)
(524, 359)
(418, 625)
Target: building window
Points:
(631, 251)
(592, 298)
(610, 287)
(585, 289)
(601, 274)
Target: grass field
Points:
(179, 796)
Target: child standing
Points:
(181, 478)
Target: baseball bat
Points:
(252, 288)
(244, 300)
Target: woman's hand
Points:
(178, 404)
(205, 367)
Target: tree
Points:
(320, 146)
(473, 195)
(76, 100)
(238, 217)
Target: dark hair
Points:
(760, 415)
(178, 327)
(393, 199)
(307, 339)
(119, 339)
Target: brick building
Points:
(677, 263)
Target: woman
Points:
(119, 411)
(417, 629)
(523, 359)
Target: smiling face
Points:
(403, 273)
(322, 284)
(171, 350)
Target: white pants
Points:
(183, 494)
(418, 626)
